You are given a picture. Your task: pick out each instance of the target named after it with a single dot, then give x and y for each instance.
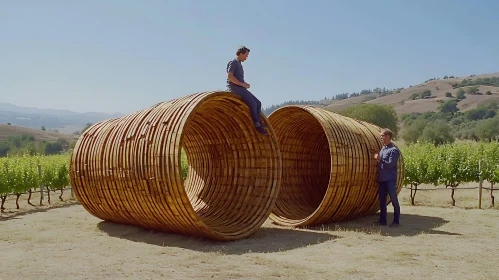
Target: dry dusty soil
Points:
(63, 241)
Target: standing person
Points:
(237, 85)
(387, 177)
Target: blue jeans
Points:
(254, 105)
(390, 188)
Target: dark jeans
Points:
(390, 188)
(254, 105)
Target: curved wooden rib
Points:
(329, 172)
(128, 170)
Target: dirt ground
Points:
(63, 241)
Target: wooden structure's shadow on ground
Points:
(265, 240)
(410, 225)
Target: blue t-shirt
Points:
(387, 165)
(236, 68)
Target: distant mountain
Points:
(62, 120)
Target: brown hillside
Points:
(40, 135)
(403, 103)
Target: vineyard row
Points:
(449, 165)
(24, 174)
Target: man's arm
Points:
(392, 158)
(230, 75)
(233, 79)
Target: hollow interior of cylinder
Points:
(306, 161)
(230, 167)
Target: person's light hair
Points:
(388, 132)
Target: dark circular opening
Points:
(306, 161)
(232, 168)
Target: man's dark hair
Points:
(242, 50)
(388, 132)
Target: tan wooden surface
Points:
(329, 170)
(128, 170)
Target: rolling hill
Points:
(40, 135)
(404, 104)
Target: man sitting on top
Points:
(237, 85)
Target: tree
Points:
(53, 148)
(488, 130)
(460, 94)
(341, 96)
(415, 96)
(43, 128)
(413, 131)
(449, 107)
(437, 133)
(425, 93)
(488, 92)
(476, 114)
(490, 114)
(420, 95)
(4, 149)
(472, 90)
(381, 115)
(448, 94)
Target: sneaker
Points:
(262, 130)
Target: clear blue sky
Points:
(122, 56)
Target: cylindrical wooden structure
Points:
(329, 170)
(128, 170)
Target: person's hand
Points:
(376, 156)
(246, 85)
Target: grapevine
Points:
(19, 175)
(450, 165)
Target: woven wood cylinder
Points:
(329, 170)
(128, 170)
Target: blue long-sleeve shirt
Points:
(387, 165)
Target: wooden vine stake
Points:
(480, 185)
(329, 170)
(128, 170)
